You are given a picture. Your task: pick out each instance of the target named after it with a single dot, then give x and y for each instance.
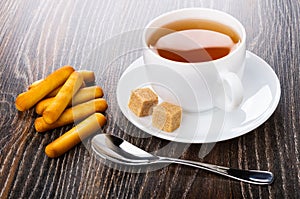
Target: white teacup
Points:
(209, 84)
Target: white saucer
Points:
(261, 97)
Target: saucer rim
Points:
(247, 128)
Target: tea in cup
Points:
(207, 48)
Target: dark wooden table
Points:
(37, 37)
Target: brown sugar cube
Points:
(167, 116)
(141, 101)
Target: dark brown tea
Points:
(194, 40)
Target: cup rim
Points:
(240, 45)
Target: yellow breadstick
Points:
(42, 105)
(74, 136)
(34, 84)
(63, 97)
(86, 94)
(88, 76)
(28, 99)
(70, 115)
(54, 92)
(83, 95)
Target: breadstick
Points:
(86, 94)
(42, 105)
(54, 92)
(70, 115)
(83, 95)
(28, 99)
(74, 136)
(63, 97)
(88, 76)
(34, 84)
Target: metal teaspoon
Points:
(120, 151)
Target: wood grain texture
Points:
(37, 37)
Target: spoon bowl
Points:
(117, 150)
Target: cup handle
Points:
(234, 91)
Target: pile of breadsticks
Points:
(61, 99)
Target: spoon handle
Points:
(250, 176)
